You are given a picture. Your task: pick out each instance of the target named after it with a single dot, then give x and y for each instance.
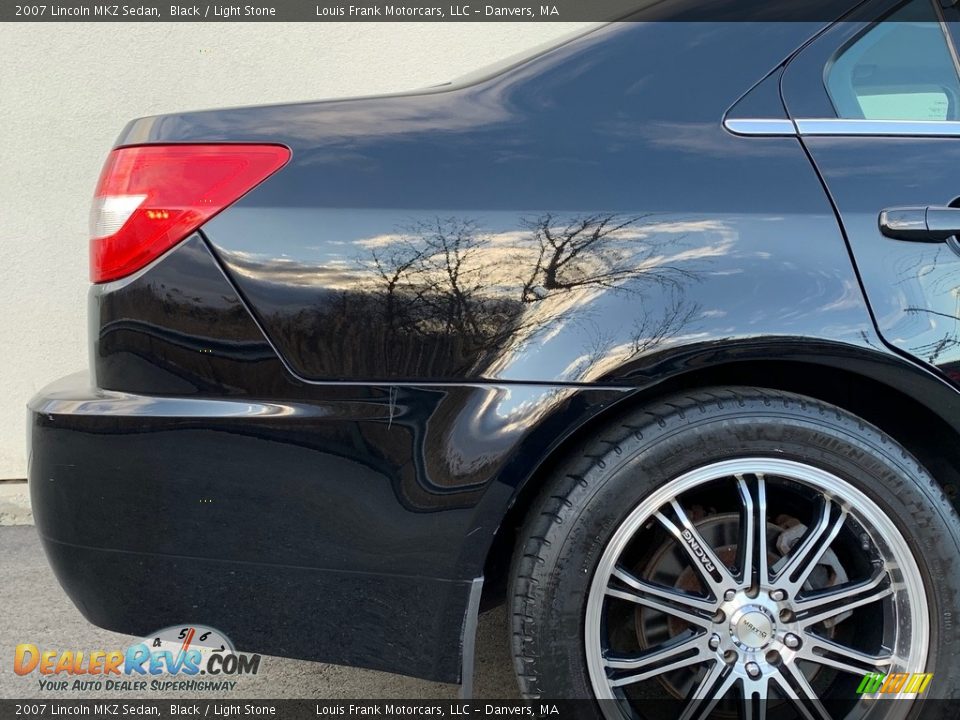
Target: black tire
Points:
(590, 495)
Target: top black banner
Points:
(431, 11)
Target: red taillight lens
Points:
(151, 197)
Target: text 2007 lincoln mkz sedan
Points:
(653, 337)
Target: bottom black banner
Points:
(559, 709)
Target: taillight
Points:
(150, 197)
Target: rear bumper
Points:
(161, 511)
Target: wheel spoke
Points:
(685, 601)
(715, 684)
(845, 603)
(701, 555)
(692, 617)
(753, 699)
(811, 548)
(685, 653)
(795, 686)
(876, 585)
(826, 652)
(753, 534)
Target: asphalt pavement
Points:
(34, 609)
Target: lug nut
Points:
(791, 641)
(753, 670)
(778, 595)
(729, 595)
(714, 641)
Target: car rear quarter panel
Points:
(564, 222)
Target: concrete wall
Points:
(68, 89)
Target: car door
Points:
(876, 102)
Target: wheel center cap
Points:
(752, 627)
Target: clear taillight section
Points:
(150, 197)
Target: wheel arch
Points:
(909, 402)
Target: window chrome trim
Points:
(759, 126)
(842, 127)
(881, 128)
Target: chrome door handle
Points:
(920, 224)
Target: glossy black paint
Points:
(179, 328)
(911, 286)
(305, 424)
(552, 224)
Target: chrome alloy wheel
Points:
(755, 619)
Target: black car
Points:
(653, 336)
